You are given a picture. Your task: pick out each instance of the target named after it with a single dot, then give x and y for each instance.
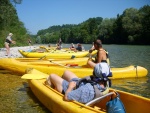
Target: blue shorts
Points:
(66, 83)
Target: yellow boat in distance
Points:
(60, 54)
(58, 67)
(53, 100)
(53, 48)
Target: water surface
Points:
(16, 96)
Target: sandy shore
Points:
(14, 51)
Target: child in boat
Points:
(81, 90)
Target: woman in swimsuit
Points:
(101, 54)
(7, 43)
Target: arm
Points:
(71, 86)
(9, 38)
(14, 42)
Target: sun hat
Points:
(10, 34)
(98, 70)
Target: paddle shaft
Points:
(59, 64)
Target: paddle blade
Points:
(33, 76)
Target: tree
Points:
(145, 21)
(131, 24)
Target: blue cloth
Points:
(115, 105)
(83, 94)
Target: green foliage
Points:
(9, 22)
(132, 27)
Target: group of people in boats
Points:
(78, 48)
(83, 90)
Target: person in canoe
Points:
(102, 54)
(82, 90)
(72, 47)
(79, 47)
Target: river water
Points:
(16, 96)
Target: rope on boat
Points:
(136, 70)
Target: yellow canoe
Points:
(53, 100)
(54, 54)
(47, 61)
(58, 67)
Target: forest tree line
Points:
(131, 27)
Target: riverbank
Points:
(14, 51)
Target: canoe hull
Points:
(51, 98)
(55, 55)
(118, 73)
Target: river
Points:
(16, 96)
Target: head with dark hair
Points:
(98, 43)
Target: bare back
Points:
(101, 55)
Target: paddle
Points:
(42, 57)
(33, 76)
(72, 57)
(59, 64)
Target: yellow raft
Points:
(55, 54)
(53, 100)
(58, 67)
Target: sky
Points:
(42, 14)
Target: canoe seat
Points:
(98, 99)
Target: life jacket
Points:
(94, 81)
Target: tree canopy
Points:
(9, 22)
(131, 27)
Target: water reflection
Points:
(139, 86)
(16, 96)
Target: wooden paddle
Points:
(33, 76)
(59, 64)
(42, 57)
(67, 65)
(72, 57)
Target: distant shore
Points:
(14, 51)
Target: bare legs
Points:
(68, 75)
(7, 49)
(56, 81)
